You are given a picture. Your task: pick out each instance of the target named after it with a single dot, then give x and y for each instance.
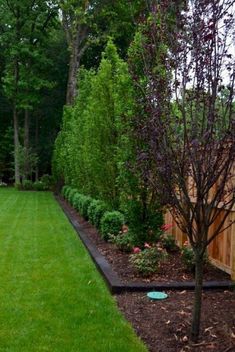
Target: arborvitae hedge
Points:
(95, 151)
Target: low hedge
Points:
(64, 190)
(75, 200)
(67, 191)
(85, 202)
(71, 194)
(28, 185)
(111, 224)
(95, 212)
(108, 222)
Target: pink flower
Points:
(146, 245)
(166, 227)
(186, 244)
(136, 250)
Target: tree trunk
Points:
(36, 144)
(195, 328)
(26, 143)
(72, 76)
(15, 116)
(16, 147)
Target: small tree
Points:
(188, 93)
(28, 157)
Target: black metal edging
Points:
(114, 283)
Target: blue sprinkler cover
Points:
(157, 295)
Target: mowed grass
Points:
(51, 296)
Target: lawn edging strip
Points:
(111, 278)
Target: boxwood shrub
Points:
(66, 192)
(63, 190)
(81, 203)
(111, 224)
(84, 203)
(96, 210)
(75, 200)
(71, 194)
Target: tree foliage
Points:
(95, 151)
(26, 29)
(89, 137)
(88, 24)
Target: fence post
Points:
(233, 250)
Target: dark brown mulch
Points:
(170, 270)
(165, 325)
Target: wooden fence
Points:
(221, 251)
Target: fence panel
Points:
(221, 251)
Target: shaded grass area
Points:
(51, 295)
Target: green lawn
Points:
(51, 295)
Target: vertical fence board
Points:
(221, 251)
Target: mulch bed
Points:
(165, 325)
(170, 271)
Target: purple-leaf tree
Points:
(187, 83)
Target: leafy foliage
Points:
(189, 126)
(124, 241)
(111, 224)
(27, 185)
(98, 144)
(95, 212)
(84, 203)
(70, 194)
(39, 186)
(86, 148)
(188, 257)
(147, 261)
(168, 242)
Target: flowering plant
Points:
(166, 227)
(147, 261)
(124, 240)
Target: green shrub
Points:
(188, 257)
(83, 205)
(63, 191)
(111, 224)
(124, 241)
(47, 180)
(143, 220)
(75, 200)
(96, 210)
(27, 185)
(39, 186)
(147, 262)
(71, 195)
(67, 191)
(168, 242)
(79, 202)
